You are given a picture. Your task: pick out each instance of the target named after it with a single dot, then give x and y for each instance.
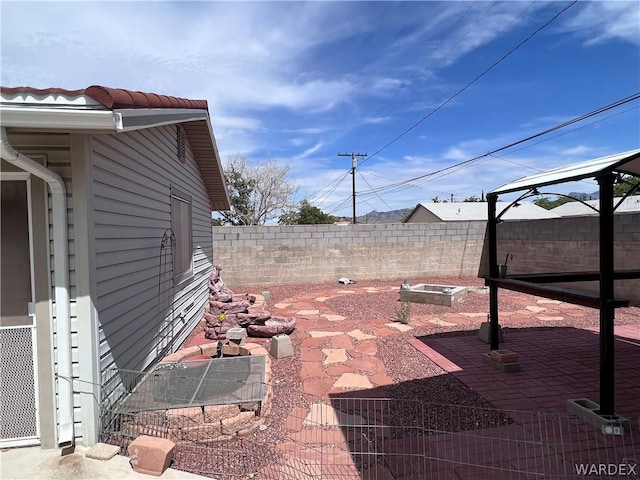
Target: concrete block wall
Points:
(261, 255)
(571, 244)
(323, 253)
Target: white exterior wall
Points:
(53, 149)
(132, 178)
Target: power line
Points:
(391, 108)
(405, 183)
(381, 199)
(478, 77)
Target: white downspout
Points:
(61, 278)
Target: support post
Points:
(607, 308)
(354, 163)
(494, 327)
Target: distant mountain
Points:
(393, 216)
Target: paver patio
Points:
(557, 363)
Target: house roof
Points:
(570, 209)
(466, 211)
(625, 162)
(102, 109)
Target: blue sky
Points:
(299, 82)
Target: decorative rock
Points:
(150, 455)
(237, 335)
(236, 307)
(253, 318)
(281, 346)
(272, 327)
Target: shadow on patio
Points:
(525, 430)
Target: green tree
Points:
(472, 198)
(547, 203)
(628, 182)
(306, 214)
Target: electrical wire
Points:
(424, 60)
(404, 183)
(381, 199)
(478, 77)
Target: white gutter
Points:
(61, 278)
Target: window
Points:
(181, 226)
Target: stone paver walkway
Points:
(338, 355)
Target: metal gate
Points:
(19, 420)
(18, 392)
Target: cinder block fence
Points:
(301, 254)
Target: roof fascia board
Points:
(71, 119)
(218, 161)
(136, 119)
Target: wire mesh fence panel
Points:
(384, 439)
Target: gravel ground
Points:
(420, 385)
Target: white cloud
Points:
(310, 151)
(607, 20)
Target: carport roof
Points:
(626, 162)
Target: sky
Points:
(417, 86)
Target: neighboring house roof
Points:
(570, 209)
(114, 110)
(466, 211)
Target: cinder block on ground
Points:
(237, 335)
(485, 331)
(102, 451)
(150, 455)
(504, 356)
(505, 367)
(281, 346)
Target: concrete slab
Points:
(325, 415)
(320, 334)
(399, 326)
(442, 323)
(334, 355)
(307, 312)
(102, 451)
(544, 318)
(360, 335)
(352, 380)
(35, 463)
(534, 309)
(333, 318)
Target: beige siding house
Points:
(92, 182)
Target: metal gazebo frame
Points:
(605, 171)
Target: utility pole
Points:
(354, 164)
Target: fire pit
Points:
(447, 295)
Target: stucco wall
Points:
(324, 253)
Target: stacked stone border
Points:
(211, 423)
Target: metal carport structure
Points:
(606, 171)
